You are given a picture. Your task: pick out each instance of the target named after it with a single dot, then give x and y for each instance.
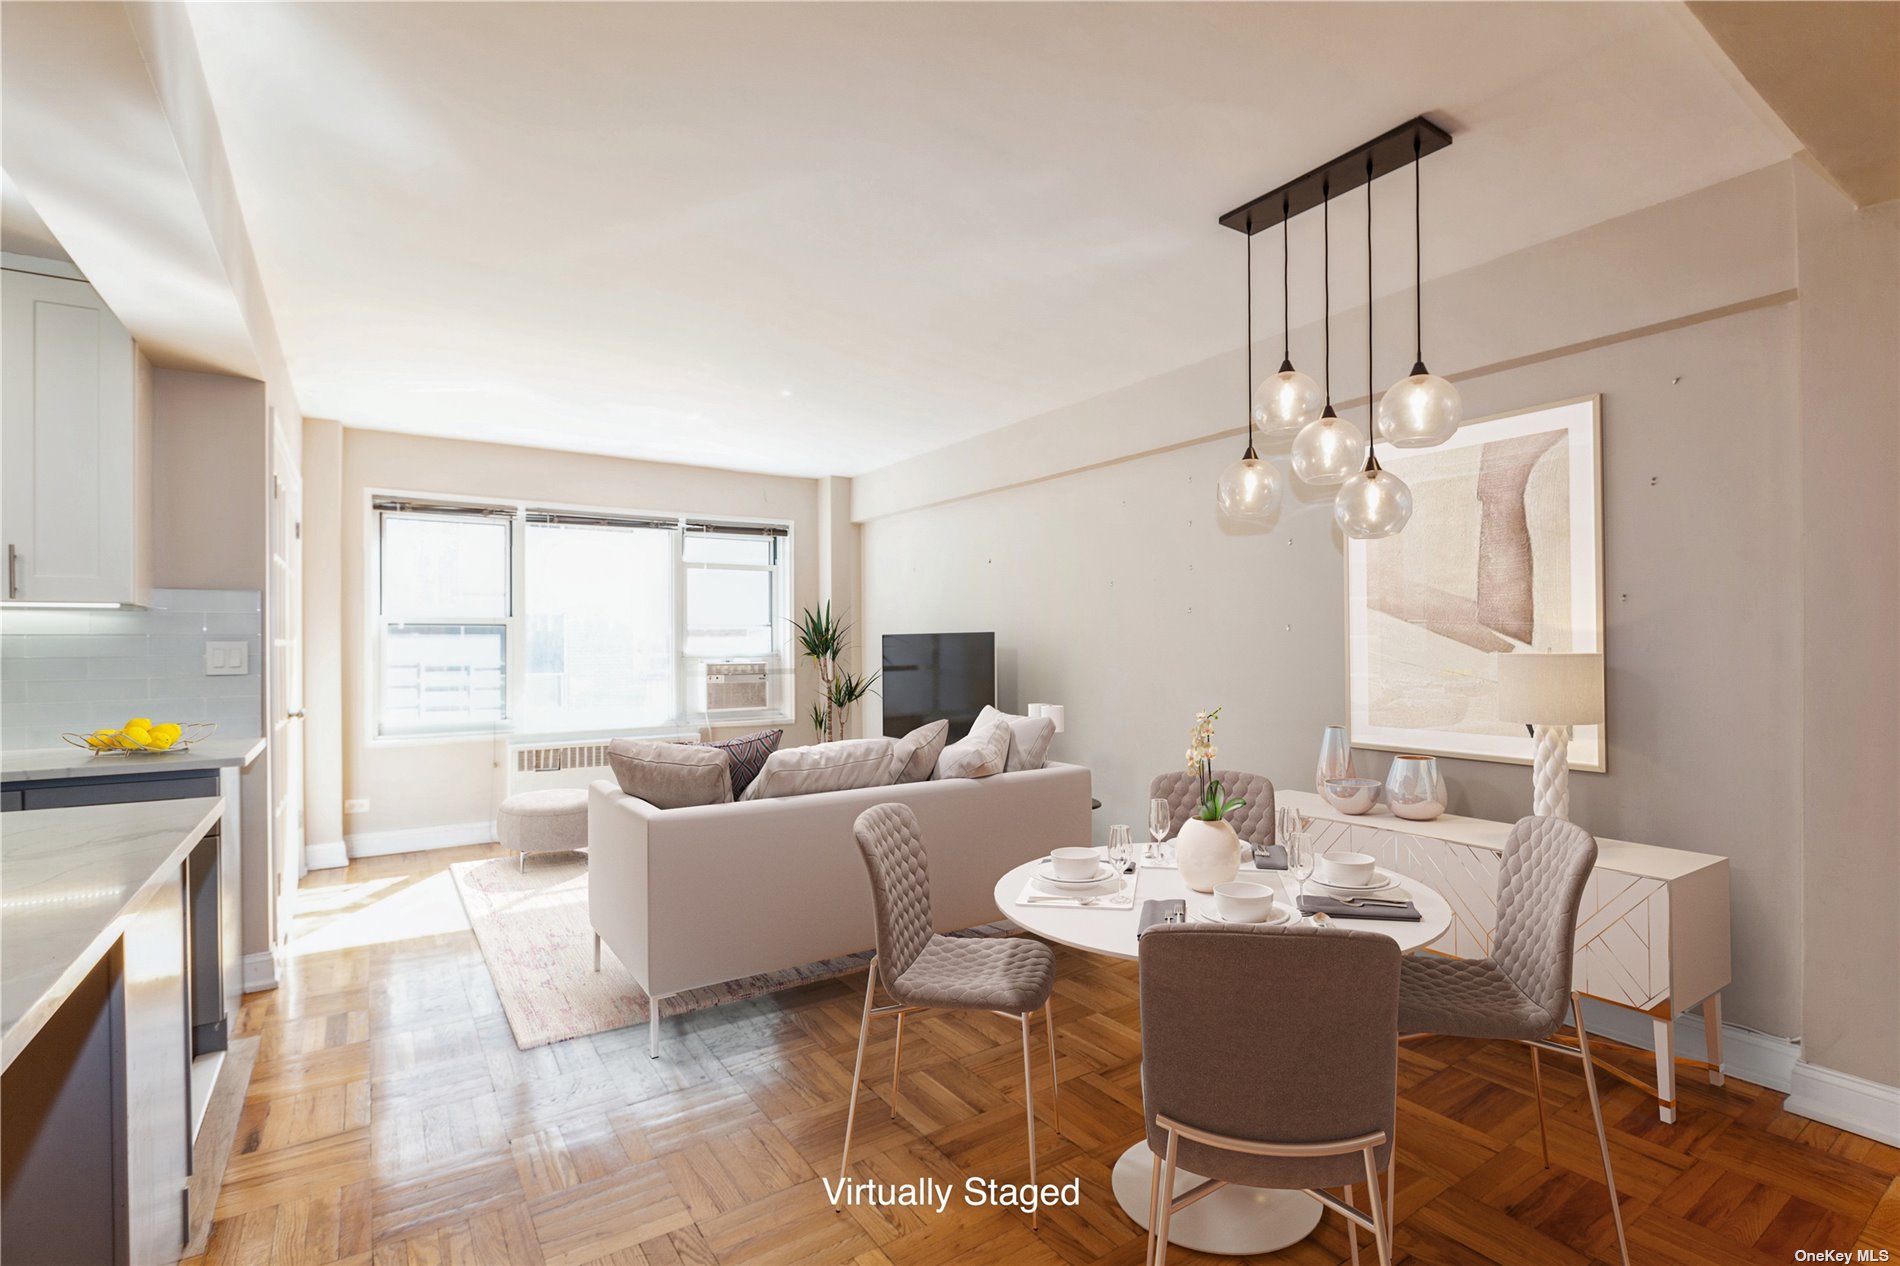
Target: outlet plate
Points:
(227, 659)
(356, 806)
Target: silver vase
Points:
(1414, 789)
(1335, 757)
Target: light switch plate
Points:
(227, 659)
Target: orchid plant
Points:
(1201, 752)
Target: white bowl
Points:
(1351, 795)
(1075, 863)
(1355, 870)
(1244, 902)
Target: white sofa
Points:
(692, 897)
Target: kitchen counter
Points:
(70, 880)
(70, 762)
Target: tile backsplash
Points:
(79, 670)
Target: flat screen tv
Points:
(937, 676)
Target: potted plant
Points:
(1207, 851)
(823, 638)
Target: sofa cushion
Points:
(748, 754)
(1029, 737)
(671, 775)
(984, 751)
(914, 757)
(840, 766)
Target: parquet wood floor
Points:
(392, 1122)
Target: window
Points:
(544, 621)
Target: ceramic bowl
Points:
(1354, 870)
(1244, 902)
(1351, 795)
(1075, 863)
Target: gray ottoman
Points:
(550, 821)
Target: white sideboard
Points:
(1653, 934)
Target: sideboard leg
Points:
(1712, 1023)
(1666, 1070)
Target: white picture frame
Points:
(1504, 552)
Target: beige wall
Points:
(323, 574)
(424, 784)
(1088, 541)
(1850, 479)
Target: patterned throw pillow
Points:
(748, 753)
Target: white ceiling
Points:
(814, 239)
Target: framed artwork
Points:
(1504, 553)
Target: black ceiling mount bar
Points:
(1393, 151)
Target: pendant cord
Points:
(1250, 452)
(1286, 288)
(1372, 411)
(1326, 281)
(1418, 262)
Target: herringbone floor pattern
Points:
(392, 1122)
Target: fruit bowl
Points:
(147, 739)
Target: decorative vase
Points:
(1207, 853)
(1335, 757)
(1414, 789)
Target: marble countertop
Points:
(70, 762)
(70, 880)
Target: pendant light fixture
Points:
(1375, 502)
(1329, 448)
(1249, 490)
(1422, 410)
(1290, 399)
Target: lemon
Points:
(138, 723)
(97, 743)
(169, 727)
(158, 741)
(137, 735)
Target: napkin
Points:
(1153, 912)
(1270, 857)
(1407, 913)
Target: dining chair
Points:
(1181, 788)
(1269, 1058)
(1522, 992)
(924, 970)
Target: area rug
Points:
(538, 942)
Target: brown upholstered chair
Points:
(1219, 1001)
(1182, 790)
(922, 969)
(1522, 991)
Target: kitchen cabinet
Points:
(73, 447)
(155, 1055)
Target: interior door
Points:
(286, 667)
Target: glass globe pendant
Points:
(1328, 449)
(1373, 503)
(1420, 411)
(1249, 490)
(1290, 399)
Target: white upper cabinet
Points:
(73, 446)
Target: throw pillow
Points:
(671, 775)
(841, 766)
(914, 757)
(983, 752)
(1029, 737)
(748, 753)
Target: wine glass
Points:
(1121, 846)
(1299, 858)
(1160, 818)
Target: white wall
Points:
(1088, 541)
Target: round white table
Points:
(1235, 1221)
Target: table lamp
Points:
(1054, 711)
(1551, 692)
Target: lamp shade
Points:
(1054, 711)
(1550, 689)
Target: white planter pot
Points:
(1207, 853)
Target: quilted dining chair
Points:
(1181, 788)
(922, 969)
(1327, 1016)
(1522, 992)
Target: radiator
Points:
(567, 763)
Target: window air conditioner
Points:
(736, 686)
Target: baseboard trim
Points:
(1761, 1058)
(260, 971)
(331, 856)
(1848, 1102)
(419, 839)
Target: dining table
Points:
(1236, 1220)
